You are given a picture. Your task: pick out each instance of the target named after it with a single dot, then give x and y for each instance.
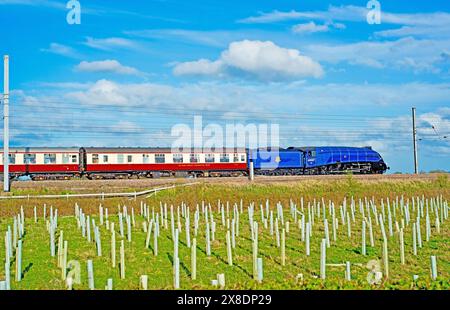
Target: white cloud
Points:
(408, 31)
(46, 3)
(417, 55)
(261, 59)
(208, 38)
(199, 67)
(111, 66)
(312, 27)
(110, 43)
(435, 24)
(126, 127)
(60, 49)
(105, 92)
(353, 13)
(64, 85)
(277, 16)
(260, 98)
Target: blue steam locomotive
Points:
(317, 160)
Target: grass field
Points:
(40, 270)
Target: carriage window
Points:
(160, 158)
(49, 158)
(130, 158)
(146, 158)
(177, 158)
(236, 158)
(65, 158)
(12, 158)
(242, 158)
(120, 158)
(95, 158)
(105, 158)
(29, 158)
(209, 158)
(194, 158)
(224, 158)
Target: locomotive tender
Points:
(108, 163)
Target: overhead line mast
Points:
(416, 164)
(6, 125)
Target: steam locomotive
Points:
(111, 163)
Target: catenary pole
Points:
(416, 164)
(6, 125)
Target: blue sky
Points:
(133, 69)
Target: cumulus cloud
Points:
(263, 60)
(106, 66)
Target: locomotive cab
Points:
(310, 157)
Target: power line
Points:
(182, 110)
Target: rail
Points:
(99, 195)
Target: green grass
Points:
(40, 271)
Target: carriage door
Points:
(82, 160)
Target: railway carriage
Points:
(43, 163)
(157, 162)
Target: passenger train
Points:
(111, 163)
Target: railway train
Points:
(112, 163)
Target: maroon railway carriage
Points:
(43, 163)
(99, 163)
(157, 162)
